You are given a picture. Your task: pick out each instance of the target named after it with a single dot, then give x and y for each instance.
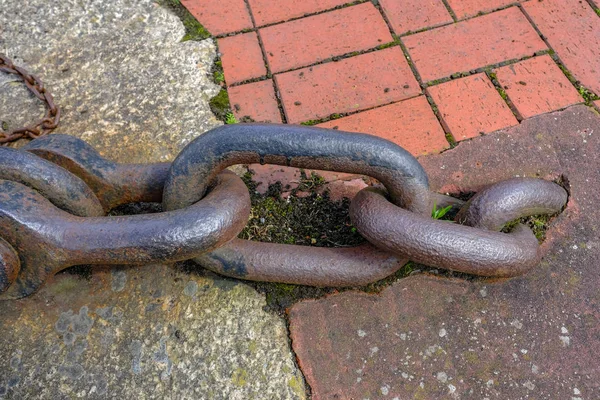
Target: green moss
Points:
(311, 122)
(502, 93)
(538, 224)
(436, 82)
(597, 10)
(239, 377)
(218, 76)
(296, 384)
(65, 285)
(193, 29)
(220, 105)
(230, 119)
(314, 220)
(588, 96)
(387, 45)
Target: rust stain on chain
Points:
(41, 127)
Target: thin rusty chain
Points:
(41, 127)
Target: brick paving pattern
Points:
(537, 86)
(313, 39)
(471, 106)
(414, 15)
(415, 72)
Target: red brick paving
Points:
(255, 100)
(352, 84)
(537, 86)
(241, 57)
(220, 16)
(413, 15)
(597, 104)
(572, 28)
(469, 8)
(313, 39)
(471, 44)
(382, 77)
(471, 106)
(409, 123)
(429, 337)
(269, 11)
(289, 177)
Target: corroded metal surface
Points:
(114, 184)
(296, 146)
(9, 265)
(48, 239)
(440, 243)
(316, 266)
(512, 199)
(458, 247)
(301, 147)
(63, 189)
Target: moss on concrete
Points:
(193, 29)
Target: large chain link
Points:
(41, 127)
(49, 219)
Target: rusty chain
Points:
(41, 127)
(56, 191)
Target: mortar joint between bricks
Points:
(502, 92)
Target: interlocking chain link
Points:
(33, 83)
(50, 219)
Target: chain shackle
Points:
(114, 184)
(63, 189)
(458, 247)
(48, 239)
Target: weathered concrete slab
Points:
(153, 332)
(118, 69)
(426, 337)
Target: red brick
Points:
(471, 106)
(255, 100)
(468, 8)
(241, 57)
(270, 11)
(220, 16)
(572, 29)
(410, 124)
(471, 44)
(351, 84)
(313, 39)
(537, 86)
(412, 15)
(597, 104)
(289, 177)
